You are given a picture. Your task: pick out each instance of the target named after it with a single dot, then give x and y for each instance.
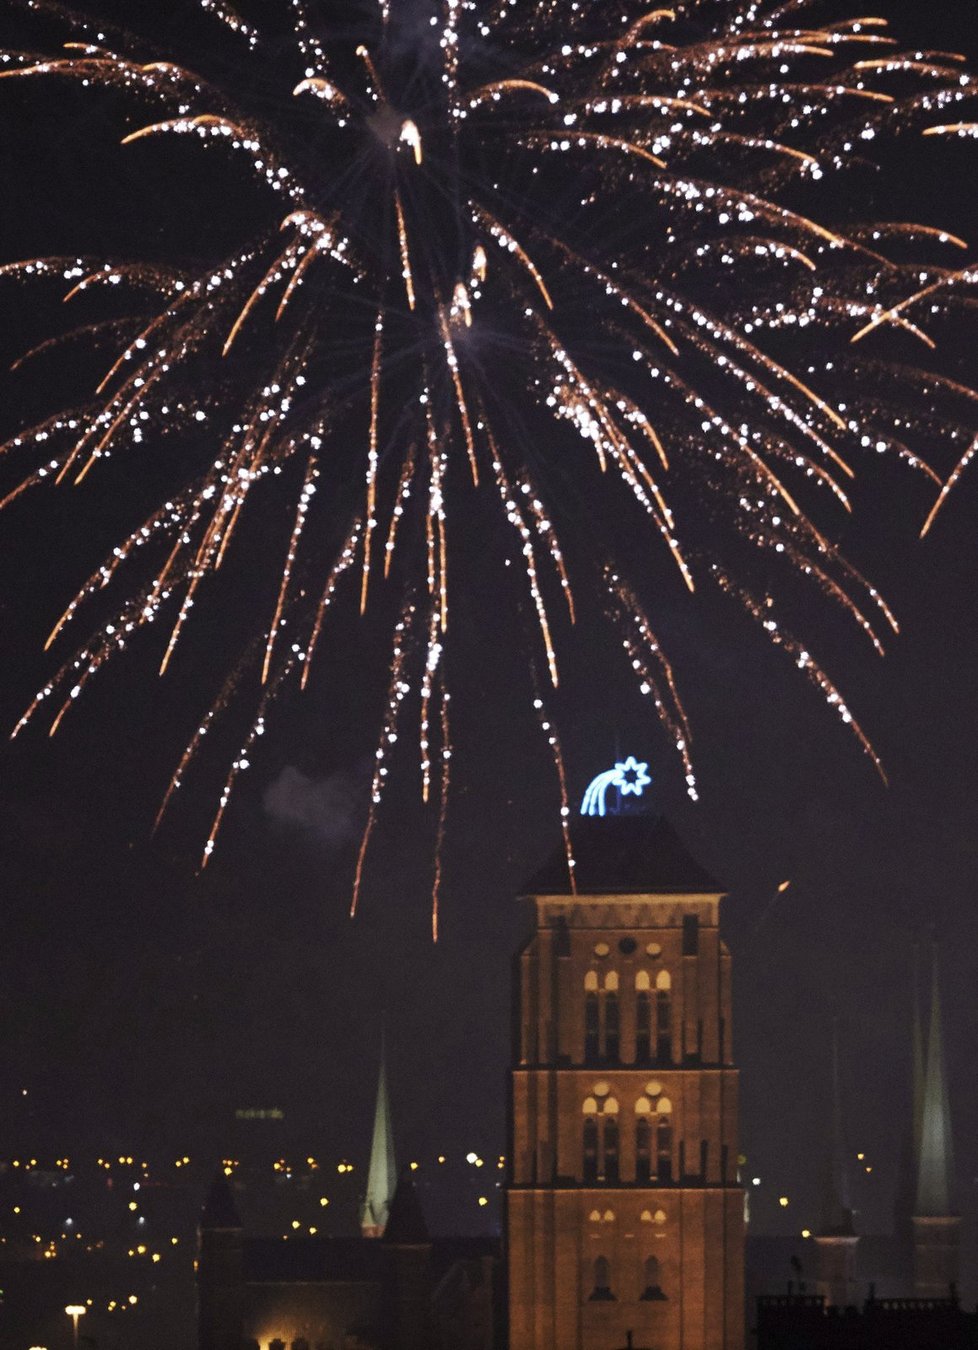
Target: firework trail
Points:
(511, 246)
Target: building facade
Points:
(625, 1217)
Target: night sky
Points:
(141, 1003)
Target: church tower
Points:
(382, 1174)
(836, 1241)
(936, 1228)
(625, 1220)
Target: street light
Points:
(74, 1311)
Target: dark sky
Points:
(142, 1003)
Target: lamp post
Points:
(74, 1311)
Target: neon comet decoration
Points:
(629, 776)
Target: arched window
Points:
(643, 1017)
(591, 1031)
(653, 1288)
(663, 1139)
(663, 1016)
(611, 1149)
(589, 1163)
(601, 1291)
(612, 1038)
(643, 1141)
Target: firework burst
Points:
(511, 243)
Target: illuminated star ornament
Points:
(501, 257)
(630, 776)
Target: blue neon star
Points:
(631, 776)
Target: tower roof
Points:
(219, 1210)
(935, 1163)
(624, 855)
(382, 1176)
(406, 1225)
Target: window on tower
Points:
(611, 1149)
(643, 1018)
(643, 1149)
(589, 1165)
(611, 1018)
(591, 1017)
(663, 1139)
(601, 1277)
(653, 1288)
(663, 1016)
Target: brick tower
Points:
(624, 1214)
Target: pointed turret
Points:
(936, 1227)
(382, 1176)
(917, 1060)
(220, 1265)
(836, 1239)
(906, 1190)
(409, 1251)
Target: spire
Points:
(382, 1177)
(934, 1162)
(836, 1216)
(917, 1058)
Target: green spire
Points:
(935, 1162)
(917, 1057)
(382, 1177)
(836, 1216)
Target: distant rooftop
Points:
(219, 1210)
(633, 854)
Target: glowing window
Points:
(611, 980)
(642, 980)
(653, 949)
(664, 1106)
(609, 1216)
(663, 980)
(653, 1088)
(591, 981)
(611, 1107)
(642, 1106)
(601, 949)
(590, 1106)
(660, 1216)
(601, 1089)
(646, 1216)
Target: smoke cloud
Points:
(325, 809)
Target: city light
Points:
(74, 1311)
